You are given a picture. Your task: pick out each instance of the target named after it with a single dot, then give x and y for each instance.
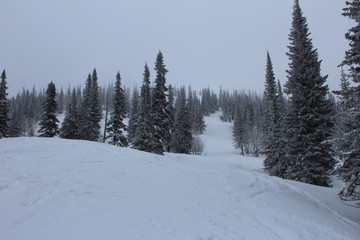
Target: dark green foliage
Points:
(90, 110)
(182, 137)
(133, 118)
(4, 108)
(160, 103)
(274, 143)
(349, 140)
(239, 130)
(197, 118)
(70, 125)
(49, 122)
(144, 138)
(115, 126)
(308, 121)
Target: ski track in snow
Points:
(61, 189)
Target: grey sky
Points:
(204, 42)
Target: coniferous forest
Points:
(306, 132)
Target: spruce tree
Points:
(350, 99)
(308, 121)
(116, 126)
(70, 126)
(4, 108)
(133, 118)
(90, 110)
(182, 137)
(144, 138)
(161, 119)
(170, 110)
(239, 130)
(274, 162)
(49, 122)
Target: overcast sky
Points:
(204, 42)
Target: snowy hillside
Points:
(61, 189)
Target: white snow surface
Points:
(64, 189)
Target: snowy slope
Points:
(60, 189)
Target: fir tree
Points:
(90, 110)
(144, 138)
(161, 119)
(133, 118)
(116, 126)
(308, 122)
(274, 162)
(70, 125)
(49, 122)
(182, 137)
(4, 109)
(171, 115)
(239, 130)
(350, 100)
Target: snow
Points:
(64, 189)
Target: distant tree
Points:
(70, 126)
(116, 126)
(161, 119)
(197, 118)
(350, 101)
(308, 122)
(61, 101)
(49, 122)
(239, 131)
(133, 118)
(182, 137)
(4, 108)
(170, 110)
(144, 137)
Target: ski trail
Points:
(218, 137)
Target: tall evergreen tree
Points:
(274, 162)
(144, 138)
(308, 121)
(116, 126)
(160, 103)
(4, 108)
(350, 97)
(239, 130)
(49, 122)
(70, 125)
(90, 110)
(182, 137)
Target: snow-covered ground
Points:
(62, 189)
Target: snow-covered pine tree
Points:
(274, 162)
(69, 127)
(144, 138)
(239, 130)
(90, 110)
(4, 108)
(49, 122)
(60, 101)
(351, 107)
(308, 121)
(116, 126)
(161, 119)
(133, 116)
(182, 137)
(197, 118)
(171, 114)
